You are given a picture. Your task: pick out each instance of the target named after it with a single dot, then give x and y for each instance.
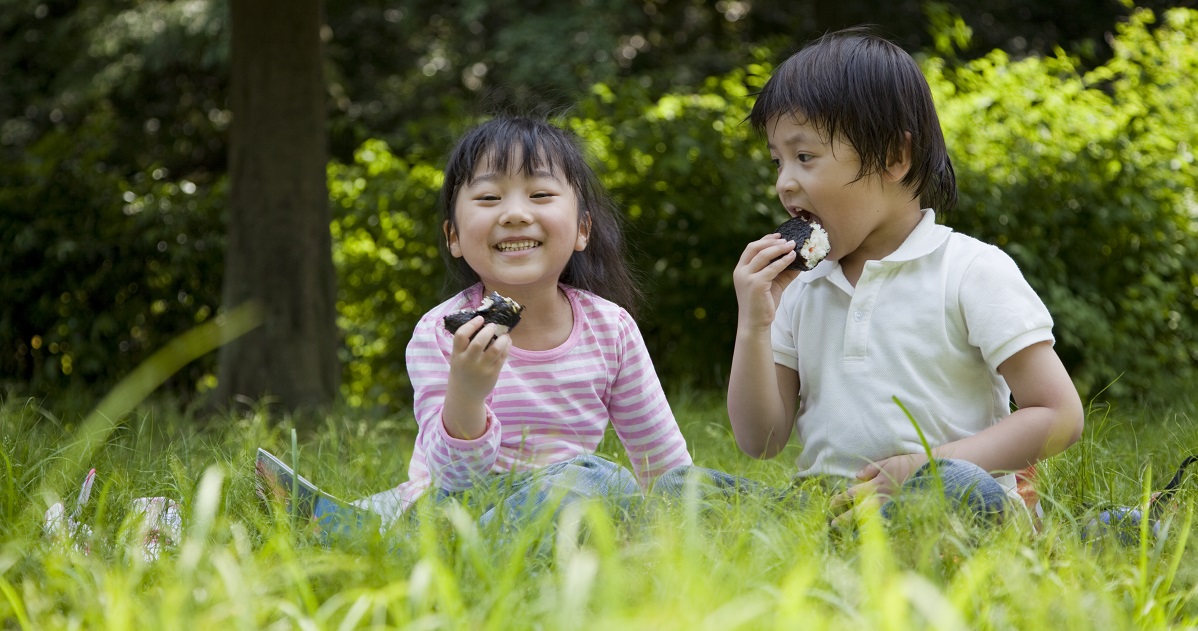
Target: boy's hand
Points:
(881, 480)
(759, 279)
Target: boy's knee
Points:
(965, 484)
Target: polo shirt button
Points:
(858, 316)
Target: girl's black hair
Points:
(865, 90)
(533, 144)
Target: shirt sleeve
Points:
(449, 463)
(1003, 314)
(639, 410)
(784, 329)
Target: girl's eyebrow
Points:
(493, 176)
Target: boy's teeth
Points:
(511, 246)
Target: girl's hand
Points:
(878, 480)
(759, 279)
(475, 363)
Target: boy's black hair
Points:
(865, 90)
(528, 144)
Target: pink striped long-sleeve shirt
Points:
(547, 406)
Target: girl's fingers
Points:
(466, 332)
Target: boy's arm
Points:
(1049, 419)
(762, 419)
(761, 394)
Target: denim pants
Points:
(522, 497)
(512, 499)
(967, 487)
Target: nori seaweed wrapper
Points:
(495, 309)
(797, 229)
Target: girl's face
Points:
(817, 179)
(516, 230)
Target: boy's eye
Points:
(542, 194)
(777, 163)
(804, 157)
(488, 197)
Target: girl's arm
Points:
(761, 394)
(443, 408)
(639, 411)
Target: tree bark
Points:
(279, 251)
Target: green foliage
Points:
(696, 183)
(1088, 181)
(109, 269)
(112, 151)
(385, 231)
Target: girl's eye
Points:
(777, 163)
(542, 195)
(804, 157)
(488, 197)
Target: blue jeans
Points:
(512, 499)
(966, 486)
(521, 497)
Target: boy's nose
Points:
(785, 183)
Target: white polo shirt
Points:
(928, 324)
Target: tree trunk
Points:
(279, 251)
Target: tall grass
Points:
(684, 564)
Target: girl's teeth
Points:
(512, 246)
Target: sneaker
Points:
(278, 483)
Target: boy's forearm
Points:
(1019, 440)
(755, 405)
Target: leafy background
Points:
(1073, 141)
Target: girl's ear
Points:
(898, 164)
(451, 239)
(584, 233)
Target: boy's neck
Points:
(883, 241)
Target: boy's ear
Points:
(451, 239)
(899, 163)
(584, 233)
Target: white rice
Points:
(816, 247)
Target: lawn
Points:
(745, 564)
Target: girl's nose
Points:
(515, 212)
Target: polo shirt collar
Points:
(923, 240)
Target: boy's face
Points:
(817, 179)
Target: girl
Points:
(903, 311)
(524, 215)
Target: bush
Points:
(1087, 180)
(100, 271)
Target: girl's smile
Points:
(516, 230)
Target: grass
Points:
(675, 565)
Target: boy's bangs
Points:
(808, 93)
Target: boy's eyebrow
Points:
(799, 136)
